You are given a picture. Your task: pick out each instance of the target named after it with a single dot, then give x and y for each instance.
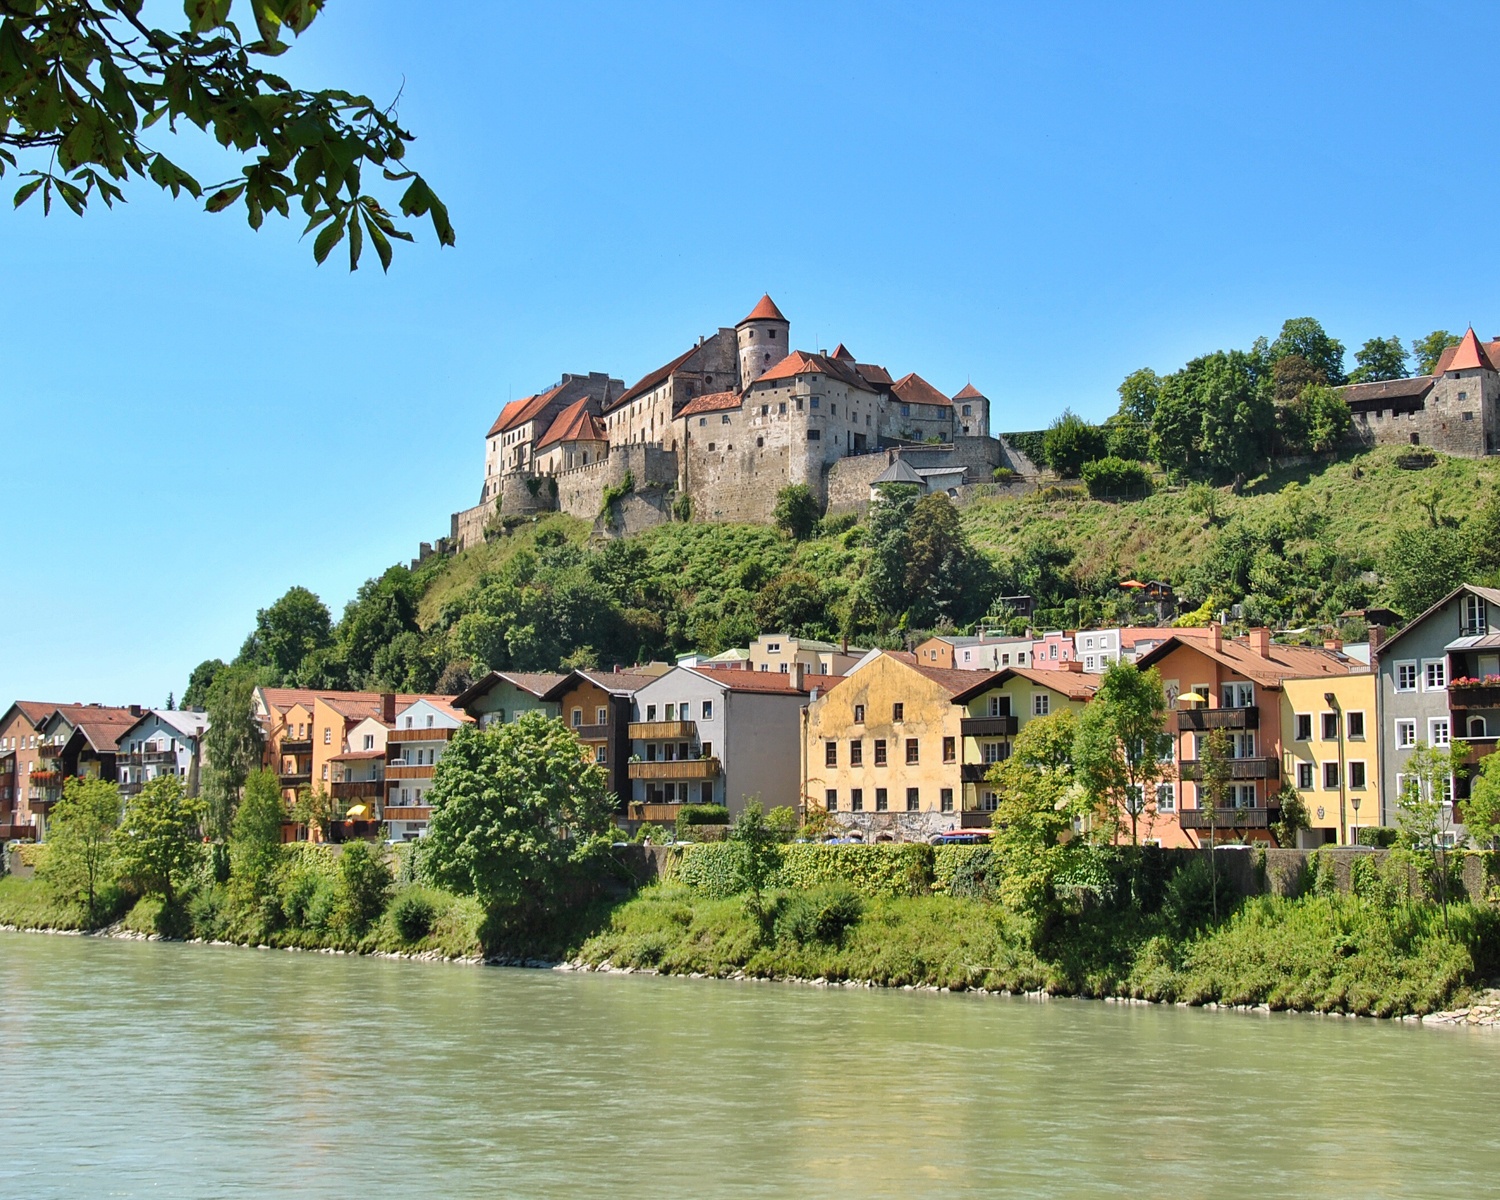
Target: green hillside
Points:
(1296, 548)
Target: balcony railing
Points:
(987, 726)
(1474, 695)
(1200, 719)
(296, 745)
(142, 758)
(679, 769)
(663, 731)
(976, 772)
(591, 733)
(407, 812)
(22, 833)
(1478, 748)
(1239, 768)
(1225, 818)
(50, 750)
(657, 814)
(419, 735)
(290, 779)
(404, 771)
(358, 789)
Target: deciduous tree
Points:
(231, 745)
(796, 511)
(84, 85)
(1122, 743)
(1427, 350)
(255, 850)
(1070, 441)
(1378, 359)
(159, 839)
(287, 632)
(80, 842)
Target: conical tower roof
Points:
(1470, 355)
(842, 353)
(766, 310)
(970, 392)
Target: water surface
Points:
(149, 1069)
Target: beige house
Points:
(777, 652)
(575, 439)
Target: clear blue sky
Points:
(1040, 198)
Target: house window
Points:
(1406, 734)
(1406, 676)
(650, 712)
(859, 714)
(1041, 704)
(325, 770)
(831, 800)
(913, 801)
(578, 718)
(429, 722)
(671, 713)
(1330, 776)
(1356, 724)
(988, 801)
(1434, 675)
(950, 749)
(1304, 727)
(1330, 727)
(945, 799)
(327, 736)
(993, 752)
(1357, 776)
(898, 712)
(601, 716)
(1238, 695)
(880, 752)
(856, 799)
(1166, 797)
(1473, 622)
(856, 753)
(882, 800)
(369, 741)
(911, 752)
(830, 754)
(1437, 729)
(601, 753)
(1305, 776)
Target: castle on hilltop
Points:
(718, 431)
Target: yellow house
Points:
(1330, 746)
(997, 707)
(880, 748)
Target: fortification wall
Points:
(466, 528)
(849, 480)
(653, 472)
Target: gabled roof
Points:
(1075, 685)
(737, 679)
(444, 705)
(1363, 396)
(281, 699)
(876, 376)
(970, 392)
(1468, 355)
(35, 711)
(101, 725)
(802, 362)
(185, 720)
(616, 683)
(1281, 662)
(899, 471)
(537, 683)
(913, 389)
(574, 424)
(710, 402)
(841, 352)
(1490, 594)
(356, 755)
(649, 381)
(765, 310)
(518, 412)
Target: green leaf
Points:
(24, 193)
(382, 243)
(206, 15)
(223, 198)
(356, 243)
(327, 240)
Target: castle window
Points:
(752, 335)
(724, 420)
(771, 333)
(783, 408)
(815, 435)
(710, 445)
(813, 403)
(968, 410)
(765, 410)
(702, 421)
(760, 441)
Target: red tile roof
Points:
(800, 362)
(356, 756)
(575, 424)
(1469, 355)
(1490, 350)
(518, 412)
(875, 376)
(1281, 662)
(970, 392)
(841, 352)
(100, 724)
(736, 679)
(766, 310)
(1075, 685)
(35, 711)
(710, 402)
(913, 389)
(654, 379)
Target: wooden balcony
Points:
(1239, 768)
(358, 789)
(1478, 748)
(296, 746)
(1225, 818)
(591, 733)
(663, 731)
(975, 772)
(657, 814)
(407, 812)
(423, 772)
(291, 779)
(677, 769)
(1202, 719)
(419, 735)
(49, 750)
(1473, 695)
(976, 727)
(143, 758)
(17, 833)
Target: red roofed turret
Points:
(762, 340)
(1469, 355)
(766, 310)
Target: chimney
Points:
(1334, 644)
(1072, 664)
(388, 707)
(1260, 641)
(1215, 636)
(135, 710)
(797, 676)
(1377, 639)
(813, 695)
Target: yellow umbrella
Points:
(358, 811)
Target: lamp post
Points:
(1333, 702)
(1354, 829)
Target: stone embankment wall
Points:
(849, 479)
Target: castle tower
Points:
(971, 413)
(762, 338)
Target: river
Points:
(155, 1069)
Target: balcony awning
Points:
(1478, 641)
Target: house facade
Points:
(162, 742)
(1331, 745)
(596, 706)
(985, 652)
(419, 734)
(75, 740)
(776, 652)
(19, 754)
(503, 696)
(1438, 680)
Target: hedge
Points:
(948, 860)
(895, 869)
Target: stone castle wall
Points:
(466, 529)
(849, 479)
(580, 492)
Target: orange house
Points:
(1235, 685)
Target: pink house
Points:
(1052, 650)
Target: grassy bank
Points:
(1318, 953)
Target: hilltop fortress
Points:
(715, 433)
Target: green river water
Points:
(148, 1069)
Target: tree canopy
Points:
(1427, 350)
(85, 86)
(1379, 358)
(287, 632)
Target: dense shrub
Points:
(951, 863)
(897, 869)
(1381, 836)
(818, 916)
(1115, 477)
(364, 885)
(413, 913)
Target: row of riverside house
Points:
(891, 744)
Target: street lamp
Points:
(1354, 829)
